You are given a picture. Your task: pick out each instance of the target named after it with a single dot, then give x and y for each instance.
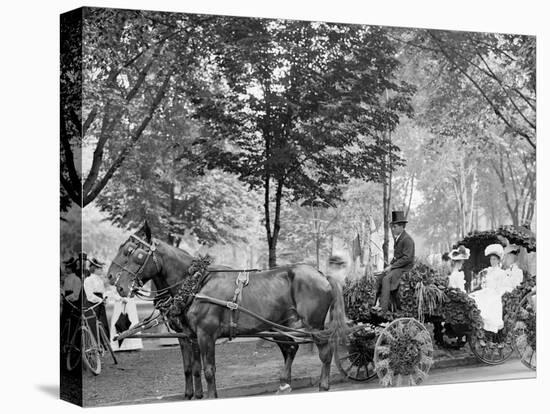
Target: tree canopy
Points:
(299, 106)
(212, 127)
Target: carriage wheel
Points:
(354, 358)
(73, 351)
(490, 348)
(404, 353)
(90, 351)
(524, 332)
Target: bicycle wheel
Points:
(107, 342)
(90, 351)
(73, 350)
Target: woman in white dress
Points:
(128, 306)
(458, 256)
(94, 294)
(489, 297)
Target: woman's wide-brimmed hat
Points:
(96, 263)
(495, 249)
(398, 217)
(511, 248)
(460, 253)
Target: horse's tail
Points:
(337, 324)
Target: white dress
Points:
(456, 280)
(131, 309)
(489, 298)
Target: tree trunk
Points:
(408, 209)
(472, 201)
(272, 255)
(386, 224)
(273, 235)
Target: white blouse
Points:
(456, 280)
(93, 283)
(496, 280)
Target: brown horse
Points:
(296, 296)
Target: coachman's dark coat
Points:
(403, 258)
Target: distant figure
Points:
(446, 264)
(124, 306)
(403, 260)
(457, 257)
(72, 285)
(337, 269)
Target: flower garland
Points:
(523, 321)
(403, 356)
(190, 285)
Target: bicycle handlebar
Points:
(85, 309)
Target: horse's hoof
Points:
(187, 396)
(198, 397)
(284, 389)
(321, 388)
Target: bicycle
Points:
(84, 346)
(72, 359)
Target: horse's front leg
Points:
(197, 370)
(207, 349)
(187, 356)
(289, 352)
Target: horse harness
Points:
(142, 258)
(241, 282)
(189, 287)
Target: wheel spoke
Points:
(367, 371)
(348, 356)
(354, 360)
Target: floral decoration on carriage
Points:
(401, 352)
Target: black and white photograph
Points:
(255, 206)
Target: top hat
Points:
(398, 217)
(95, 262)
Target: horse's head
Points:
(135, 262)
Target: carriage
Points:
(402, 351)
(398, 351)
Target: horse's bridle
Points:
(151, 248)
